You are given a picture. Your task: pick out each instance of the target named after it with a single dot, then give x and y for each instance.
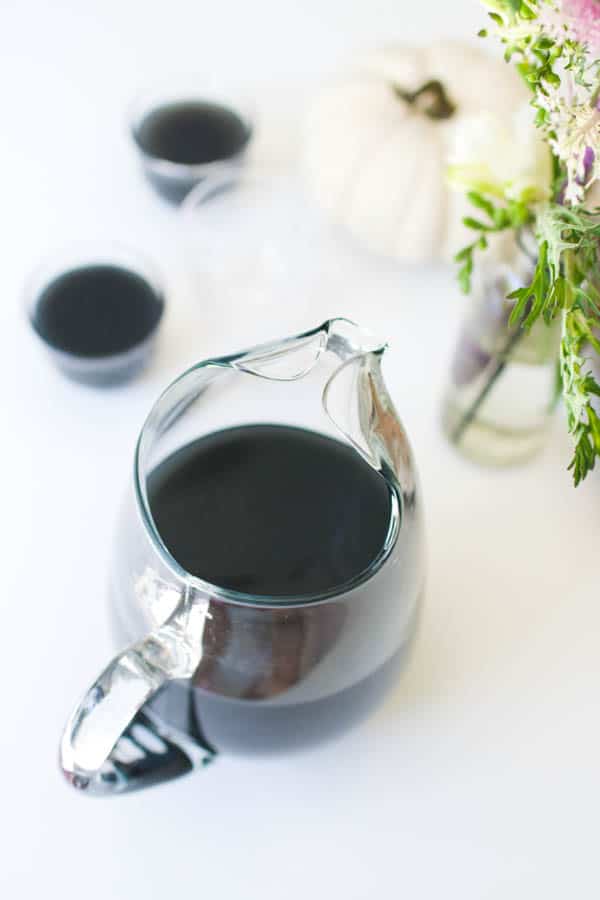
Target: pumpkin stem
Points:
(431, 99)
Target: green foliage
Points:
(567, 274)
(566, 280)
(579, 389)
(539, 59)
(514, 214)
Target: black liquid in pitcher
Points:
(270, 510)
(283, 512)
(97, 311)
(192, 132)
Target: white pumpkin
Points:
(376, 144)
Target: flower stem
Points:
(470, 414)
(569, 268)
(431, 99)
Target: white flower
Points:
(505, 159)
(573, 129)
(514, 27)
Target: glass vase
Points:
(502, 389)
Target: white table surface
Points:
(479, 778)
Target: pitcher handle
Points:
(113, 742)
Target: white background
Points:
(479, 778)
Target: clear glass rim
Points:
(229, 173)
(78, 255)
(162, 95)
(229, 595)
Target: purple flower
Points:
(587, 162)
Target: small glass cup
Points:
(258, 251)
(98, 369)
(173, 179)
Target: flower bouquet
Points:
(534, 332)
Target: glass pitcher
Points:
(210, 667)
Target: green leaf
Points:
(463, 254)
(464, 278)
(584, 458)
(502, 218)
(521, 295)
(594, 428)
(552, 78)
(466, 270)
(527, 13)
(585, 302)
(591, 385)
(579, 387)
(475, 224)
(481, 202)
(545, 43)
